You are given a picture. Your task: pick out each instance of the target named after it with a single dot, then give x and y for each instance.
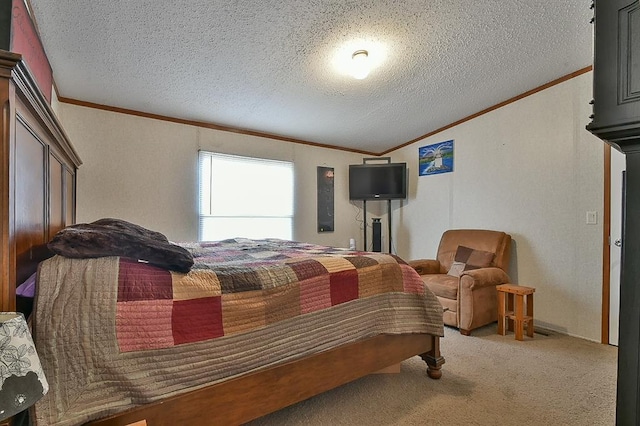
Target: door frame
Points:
(606, 253)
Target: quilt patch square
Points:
(315, 294)
(144, 324)
(140, 281)
(335, 264)
(361, 261)
(370, 282)
(411, 283)
(267, 255)
(344, 286)
(281, 303)
(243, 311)
(238, 278)
(391, 273)
(197, 284)
(271, 277)
(197, 319)
(306, 269)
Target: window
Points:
(245, 197)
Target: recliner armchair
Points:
(469, 265)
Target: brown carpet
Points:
(487, 380)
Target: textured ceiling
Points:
(270, 65)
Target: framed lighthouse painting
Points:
(436, 158)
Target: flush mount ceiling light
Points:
(344, 58)
(360, 64)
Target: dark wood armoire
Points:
(616, 119)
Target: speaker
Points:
(377, 234)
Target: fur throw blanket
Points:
(116, 237)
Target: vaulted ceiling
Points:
(276, 67)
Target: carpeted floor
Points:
(487, 380)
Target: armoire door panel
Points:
(56, 195)
(30, 190)
(70, 199)
(629, 53)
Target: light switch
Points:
(592, 218)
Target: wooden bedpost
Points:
(7, 247)
(434, 360)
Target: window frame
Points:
(205, 194)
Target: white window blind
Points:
(245, 197)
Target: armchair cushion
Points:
(442, 285)
(467, 259)
(457, 268)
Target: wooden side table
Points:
(511, 311)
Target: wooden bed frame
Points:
(271, 389)
(38, 184)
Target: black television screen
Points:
(378, 181)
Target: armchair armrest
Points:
(483, 277)
(425, 266)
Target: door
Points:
(618, 165)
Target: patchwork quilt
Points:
(113, 332)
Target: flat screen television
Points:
(378, 181)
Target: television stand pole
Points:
(364, 202)
(389, 222)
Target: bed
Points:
(202, 374)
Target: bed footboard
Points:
(248, 397)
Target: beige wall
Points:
(145, 171)
(528, 168)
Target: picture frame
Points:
(436, 158)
